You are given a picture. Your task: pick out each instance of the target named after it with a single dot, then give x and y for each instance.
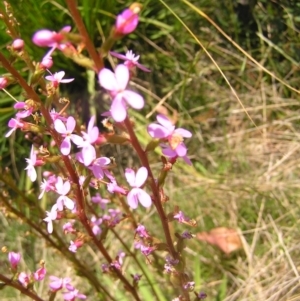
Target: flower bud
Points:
(14, 259)
(18, 44)
(3, 82)
(44, 38)
(46, 63)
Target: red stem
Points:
(96, 57)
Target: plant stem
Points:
(96, 57)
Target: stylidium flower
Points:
(166, 130)
(57, 284)
(31, 161)
(14, 124)
(98, 200)
(73, 294)
(63, 189)
(66, 131)
(131, 60)
(14, 259)
(116, 84)
(57, 78)
(136, 194)
(51, 216)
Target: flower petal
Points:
(165, 122)
(60, 126)
(65, 146)
(144, 198)
(118, 109)
(130, 176)
(134, 99)
(183, 133)
(141, 176)
(132, 199)
(157, 131)
(108, 80)
(71, 123)
(122, 76)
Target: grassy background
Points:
(244, 177)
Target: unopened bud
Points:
(3, 82)
(18, 44)
(46, 63)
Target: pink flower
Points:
(74, 245)
(136, 180)
(57, 284)
(14, 124)
(166, 130)
(68, 227)
(63, 189)
(130, 59)
(126, 22)
(98, 200)
(39, 274)
(57, 78)
(26, 112)
(116, 84)
(47, 185)
(66, 131)
(89, 138)
(51, 216)
(96, 165)
(24, 279)
(73, 294)
(95, 225)
(14, 259)
(31, 172)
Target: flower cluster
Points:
(85, 198)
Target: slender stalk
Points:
(96, 57)
(25, 291)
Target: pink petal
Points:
(60, 126)
(141, 176)
(118, 55)
(59, 75)
(66, 188)
(144, 198)
(89, 155)
(108, 80)
(132, 199)
(130, 176)
(157, 131)
(31, 173)
(69, 203)
(181, 150)
(169, 152)
(71, 123)
(122, 76)
(165, 122)
(118, 109)
(183, 133)
(76, 139)
(65, 146)
(59, 184)
(134, 99)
